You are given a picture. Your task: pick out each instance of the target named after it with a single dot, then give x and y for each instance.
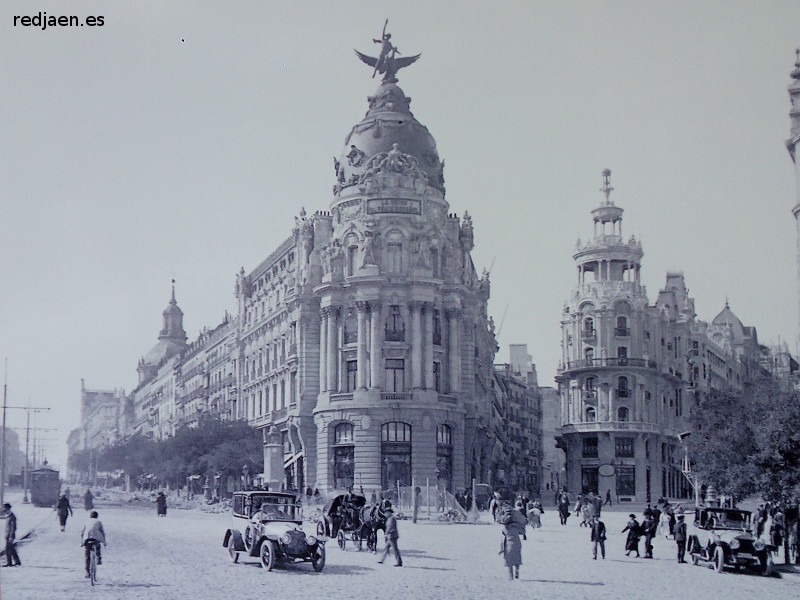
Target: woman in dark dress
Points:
(161, 504)
(632, 543)
(513, 522)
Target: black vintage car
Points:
(724, 537)
(268, 525)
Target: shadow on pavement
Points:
(423, 554)
(595, 583)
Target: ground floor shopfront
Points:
(632, 466)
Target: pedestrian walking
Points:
(598, 537)
(680, 537)
(391, 535)
(494, 505)
(664, 520)
(586, 515)
(161, 505)
(649, 529)
(598, 505)
(510, 547)
(88, 500)
(64, 510)
(563, 508)
(578, 505)
(608, 498)
(12, 558)
(632, 542)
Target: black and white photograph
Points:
(426, 300)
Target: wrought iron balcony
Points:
(589, 363)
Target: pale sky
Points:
(131, 157)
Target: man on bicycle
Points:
(92, 535)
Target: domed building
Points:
(366, 350)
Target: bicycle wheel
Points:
(93, 565)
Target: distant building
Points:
(632, 372)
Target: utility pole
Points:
(3, 438)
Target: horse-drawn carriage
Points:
(348, 516)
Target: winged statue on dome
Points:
(387, 62)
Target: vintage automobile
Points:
(723, 537)
(268, 525)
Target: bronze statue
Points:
(387, 62)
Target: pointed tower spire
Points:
(173, 321)
(607, 189)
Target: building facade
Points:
(632, 372)
(361, 346)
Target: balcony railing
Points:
(396, 396)
(623, 393)
(341, 397)
(610, 426)
(587, 333)
(622, 331)
(395, 335)
(447, 399)
(588, 363)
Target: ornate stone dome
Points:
(389, 127)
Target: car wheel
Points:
(318, 560)
(321, 528)
(267, 555)
(719, 559)
(766, 564)
(340, 539)
(249, 540)
(232, 550)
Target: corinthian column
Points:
(361, 346)
(453, 351)
(375, 345)
(333, 350)
(428, 341)
(416, 344)
(323, 351)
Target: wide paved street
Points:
(181, 556)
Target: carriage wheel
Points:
(340, 539)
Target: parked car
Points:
(268, 525)
(723, 537)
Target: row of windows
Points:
(621, 329)
(623, 447)
(394, 431)
(394, 375)
(623, 414)
(392, 259)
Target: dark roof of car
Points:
(264, 493)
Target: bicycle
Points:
(93, 546)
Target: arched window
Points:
(444, 457)
(343, 456)
(590, 415)
(435, 262)
(394, 253)
(622, 414)
(589, 354)
(622, 387)
(622, 355)
(437, 328)
(352, 260)
(622, 327)
(350, 327)
(395, 454)
(589, 384)
(588, 327)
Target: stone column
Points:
(333, 350)
(453, 351)
(361, 346)
(323, 351)
(416, 344)
(375, 344)
(428, 348)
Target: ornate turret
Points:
(171, 340)
(607, 255)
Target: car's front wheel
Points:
(234, 555)
(719, 559)
(340, 539)
(249, 540)
(766, 564)
(266, 554)
(318, 559)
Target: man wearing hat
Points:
(391, 535)
(680, 537)
(12, 558)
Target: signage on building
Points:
(394, 205)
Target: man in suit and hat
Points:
(680, 537)
(391, 536)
